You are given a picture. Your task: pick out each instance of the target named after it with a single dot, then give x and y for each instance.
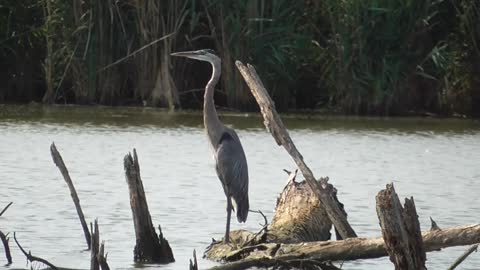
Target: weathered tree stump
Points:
(193, 264)
(299, 215)
(149, 247)
(97, 257)
(58, 160)
(275, 126)
(400, 230)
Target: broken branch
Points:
(5, 209)
(4, 239)
(464, 256)
(32, 258)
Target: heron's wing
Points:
(232, 166)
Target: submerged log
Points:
(275, 126)
(400, 230)
(58, 160)
(349, 249)
(149, 246)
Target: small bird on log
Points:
(231, 164)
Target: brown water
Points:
(436, 161)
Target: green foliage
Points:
(377, 49)
(361, 57)
(263, 33)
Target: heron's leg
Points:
(226, 239)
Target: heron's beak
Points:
(188, 54)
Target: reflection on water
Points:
(436, 161)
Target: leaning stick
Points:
(275, 126)
(464, 256)
(57, 159)
(5, 209)
(32, 258)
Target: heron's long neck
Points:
(210, 117)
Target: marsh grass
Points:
(360, 57)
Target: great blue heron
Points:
(231, 164)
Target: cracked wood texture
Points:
(400, 230)
(275, 126)
(149, 247)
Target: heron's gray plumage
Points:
(232, 170)
(231, 164)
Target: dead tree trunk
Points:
(400, 230)
(58, 160)
(275, 126)
(149, 246)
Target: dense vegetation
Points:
(362, 57)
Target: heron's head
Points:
(202, 55)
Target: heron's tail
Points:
(241, 206)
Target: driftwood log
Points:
(149, 247)
(58, 160)
(275, 126)
(400, 230)
(349, 249)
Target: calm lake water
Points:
(435, 161)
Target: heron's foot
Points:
(226, 239)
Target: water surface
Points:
(434, 160)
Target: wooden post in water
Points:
(149, 246)
(400, 230)
(58, 160)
